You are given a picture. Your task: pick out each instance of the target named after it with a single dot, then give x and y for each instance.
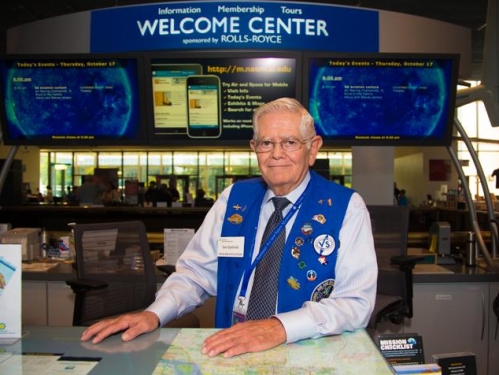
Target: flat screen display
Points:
(382, 99)
(79, 99)
(209, 98)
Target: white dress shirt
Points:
(347, 308)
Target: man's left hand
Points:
(248, 337)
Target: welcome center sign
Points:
(234, 25)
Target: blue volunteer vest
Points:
(307, 271)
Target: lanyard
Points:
(250, 266)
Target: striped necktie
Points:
(262, 302)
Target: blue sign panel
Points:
(234, 25)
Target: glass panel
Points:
(185, 169)
(135, 166)
(60, 178)
(64, 157)
(109, 159)
(85, 163)
(167, 163)
(61, 175)
(130, 166)
(340, 163)
(237, 163)
(154, 160)
(254, 164)
(467, 116)
(461, 147)
(475, 121)
(112, 161)
(485, 129)
(347, 160)
(488, 147)
(130, 159)
(184, 162)
(44, 173)
(348, 181)
(217, 170)
(211, 172)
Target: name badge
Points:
(231, 247)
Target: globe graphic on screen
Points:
(407, 102)
(71, 101)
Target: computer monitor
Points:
(383, 99)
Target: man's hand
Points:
(248, 337)
(133, 325)
(139, 344)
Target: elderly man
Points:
(312, 273)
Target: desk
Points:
(57, 217)
(352, 352)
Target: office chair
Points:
(115, 272)
(390, 227)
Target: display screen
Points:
(79, 99)
(209, 98)
(382, 99)
(169, 96)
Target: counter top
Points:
(57, 217)
(175, 351)
(65, 271)
(101, 208)
(461, 274)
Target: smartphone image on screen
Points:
(204, 106)
(169, 96)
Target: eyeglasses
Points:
(290, 144)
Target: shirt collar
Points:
(293, 195)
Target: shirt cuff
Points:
(298, 325)
(164, 316)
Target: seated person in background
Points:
(402, 200)
(110, 196)
(172, 186)
(325, 279)
(151, 194)
(141, 194)
(29, 197)
(201, 200)
(164, 195)
(73, 199)
(89, 192)
(49, 195)
(69, 193)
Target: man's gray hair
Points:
(307, 128)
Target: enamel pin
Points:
(319, 218)
(294, 283)
(324, 244)
(322, 260)
(235, 219)
(307, 229)
(311, 275)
